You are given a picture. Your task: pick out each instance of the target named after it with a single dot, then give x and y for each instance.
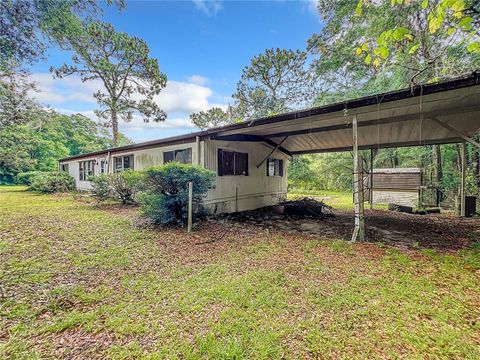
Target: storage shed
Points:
(399, 186)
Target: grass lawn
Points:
(78, 281)
(340, 200)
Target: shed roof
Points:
(408, 117)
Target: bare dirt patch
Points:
(433, 231)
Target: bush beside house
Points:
(50, 182)
(164, 197)
(161, 191)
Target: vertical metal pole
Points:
(359, 229)
(463, 155)
(236, 199)
(190, 207)
(197, 141)
(370, 200)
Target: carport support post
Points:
(370, 198)
(463, 161)
(359, 230)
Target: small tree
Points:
(123, 64)
(165, 200)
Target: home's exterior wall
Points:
(231, 193)
(241, 193)
(398, 197)
(73, 170)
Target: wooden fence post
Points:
(190, 206)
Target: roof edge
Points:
(468, 80)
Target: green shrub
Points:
(101, 187)
(49, 182)
(125, 185)
(26, 178)
(122, 186)
(164, 198)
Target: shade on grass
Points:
(82, 281)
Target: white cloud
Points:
(178, 99)
(64, 90)
(312, 7)
(209, 7)
(177, 96)
(197, 79)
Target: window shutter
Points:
(280, 166)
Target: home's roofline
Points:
(471, 79)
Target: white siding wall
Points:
(231, 192)
(244, 192)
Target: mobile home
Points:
(249, 174)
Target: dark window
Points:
(232, 163)
(274, 167)
(183, 156)
(123, 163)
(86, 169)
(102, 166)
(64, 168)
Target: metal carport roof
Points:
(439, 113)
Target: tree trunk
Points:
(437, 165)
(115, 128)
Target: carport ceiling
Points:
(431, 114)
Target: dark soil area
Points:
(434, 231)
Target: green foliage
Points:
(165, 196)
(101, 187)
(29, 27)
(26, 178)
(452, 26)
(123, 64)
(122, 186)
(321, 171)
(46, 137)
(50, 182)
(212, 117)
(275, 81)
(300, 173)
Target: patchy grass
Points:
(340, 200)
(79, 281)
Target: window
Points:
(123, 163)
(86, 169)
(232, 163)
(102, 166)
(183, 156)
(64, 168)
(274, 167)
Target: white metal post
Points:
(359, 229)
(463, 160)
(370, 198)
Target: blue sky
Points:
(202, 46)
